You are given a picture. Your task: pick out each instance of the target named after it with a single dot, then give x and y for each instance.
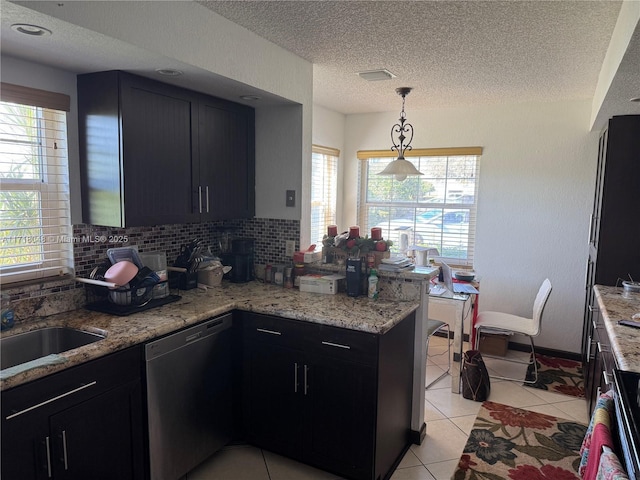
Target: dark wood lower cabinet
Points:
(334, 398)
(275, 411)
(82, 423)
(340, 415)
(599, 368)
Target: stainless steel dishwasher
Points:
(188, 397)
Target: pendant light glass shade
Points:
(401, 168)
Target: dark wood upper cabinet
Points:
(152, 153)
(615, 228)
(226, 135)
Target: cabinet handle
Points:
(207, 195)
(592, 309)
(48, 457)
(33, 407)
(306, 386)
(606, 377)
(331, 344)
(589, 348)
(295, 377)
(64, 449)
(271, 332)
(200, 197)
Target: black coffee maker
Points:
(354, 277)
(240, 260)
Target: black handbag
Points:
(475, 378)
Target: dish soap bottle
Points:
(7, 313)
(373, 284)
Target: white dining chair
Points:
(506, 323)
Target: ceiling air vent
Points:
(375, 75)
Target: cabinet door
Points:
(226, 159)
(273, 388)
(24, 447)
(157, 153)
(594, 229)
(100, 438)
(618, 255)
(340, 415)
(588, 342)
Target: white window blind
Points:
(436, 210)
(324, 190)
(35, 231)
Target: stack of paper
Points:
(395, 264)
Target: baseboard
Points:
(549, 352)
(417, 437)
(523, 347)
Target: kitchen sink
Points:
(24, 347)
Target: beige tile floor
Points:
(449, 420)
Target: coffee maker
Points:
(240, 260)
(354, 277)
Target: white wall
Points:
(328, 131)
(536, 182)
(279, 160)
(20, 72)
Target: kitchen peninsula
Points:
(375, 340)
(624, 341)
(613, 363)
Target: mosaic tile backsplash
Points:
(269, 234)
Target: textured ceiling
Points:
(451, 52)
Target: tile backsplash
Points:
(65, 294)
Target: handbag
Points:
(475, 377)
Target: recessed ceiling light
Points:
(635, 99)
(375, 75)
(33, 30)
(169, 72)
(252, 98)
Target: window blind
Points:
(35, 231)
(324, 190)
(435, 210)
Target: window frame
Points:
(325, 152)
(444, 205)
(54, 241)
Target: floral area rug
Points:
(516, 444)
(558, 375)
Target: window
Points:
(436, 210)
(324, 190)
(35, 232)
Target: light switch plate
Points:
(291, 198)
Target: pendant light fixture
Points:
(401, 168)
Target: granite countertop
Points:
(625, 341)
(361, 313)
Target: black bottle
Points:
(354, 277)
